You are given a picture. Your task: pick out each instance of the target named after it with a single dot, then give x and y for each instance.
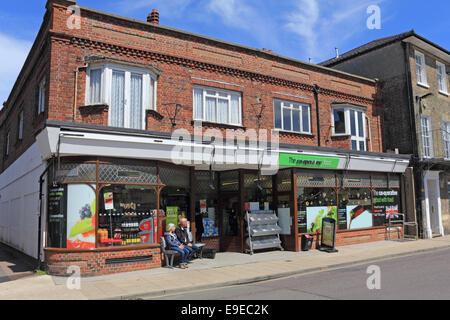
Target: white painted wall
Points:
(19, 202)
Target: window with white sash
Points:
(292, 116)
(421, 73)
(446, 139)
(427, 139)
(442, 77)
(217, 106)
(128, 92)
(350, 122)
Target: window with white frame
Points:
(41, 97)
(350, 122)
(20, 126)
(442, 77)
(446, 138)
(292, 116)
(421, 73)
(427, 138)
(128, 92)
(217, 106)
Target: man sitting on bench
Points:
(183, 237)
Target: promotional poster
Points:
(81, 209)
(314, 216)
(359, 217)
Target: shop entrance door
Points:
(434, 207)
(230, 223)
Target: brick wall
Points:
(95, 263)
(349, 237)
(184, 60)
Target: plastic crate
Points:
(209, 253)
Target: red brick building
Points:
(92, 115)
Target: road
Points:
(421, 276)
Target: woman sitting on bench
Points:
(174, 244)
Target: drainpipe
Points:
(41, 201)
(412, 122)
(316, 98)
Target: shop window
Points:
(355, 208)
(229, 181)
(127, 215)
(218, 106)
(258, 189)
(57, 216)
(284, 180)
(174, 176)
(292, 116)
(314, 204)
(133, 174)
(386, 202)
(128, 92)
(76, 172)
(206, 204)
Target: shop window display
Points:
(355, 204)
(206, 204)
(314, 204)
(127, 215)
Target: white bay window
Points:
(128, 92)
(350, 122)
(217, 106)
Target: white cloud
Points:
(234, 13)
(326, 24)
(13, 53)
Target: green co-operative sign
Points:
(307, 161)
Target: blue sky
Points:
(300, 29)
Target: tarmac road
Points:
(419, 276)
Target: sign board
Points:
(307, 161)
(172, 216)
(328, 239)
(109, 201)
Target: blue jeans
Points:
(191, 250)
(184, 254)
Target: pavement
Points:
(14, 265)
(228, 269)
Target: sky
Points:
(300, 29)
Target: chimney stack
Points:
(153, 17)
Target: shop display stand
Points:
(263, 231)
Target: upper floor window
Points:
(41, 97)
(427, 139)
(292, 116)
(20, 126)
(128, 92)
(217, 106)
(442, 77)
(446, 138)
(351, 122)
(7, 143)
(421, 72)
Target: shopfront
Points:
(107, 214)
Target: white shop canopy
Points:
(60, 141)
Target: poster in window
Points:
(314, 216)
(81, 213)
(172, 216)
(385, 203)
(109, 201)
(301, 220)
(359, 217)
